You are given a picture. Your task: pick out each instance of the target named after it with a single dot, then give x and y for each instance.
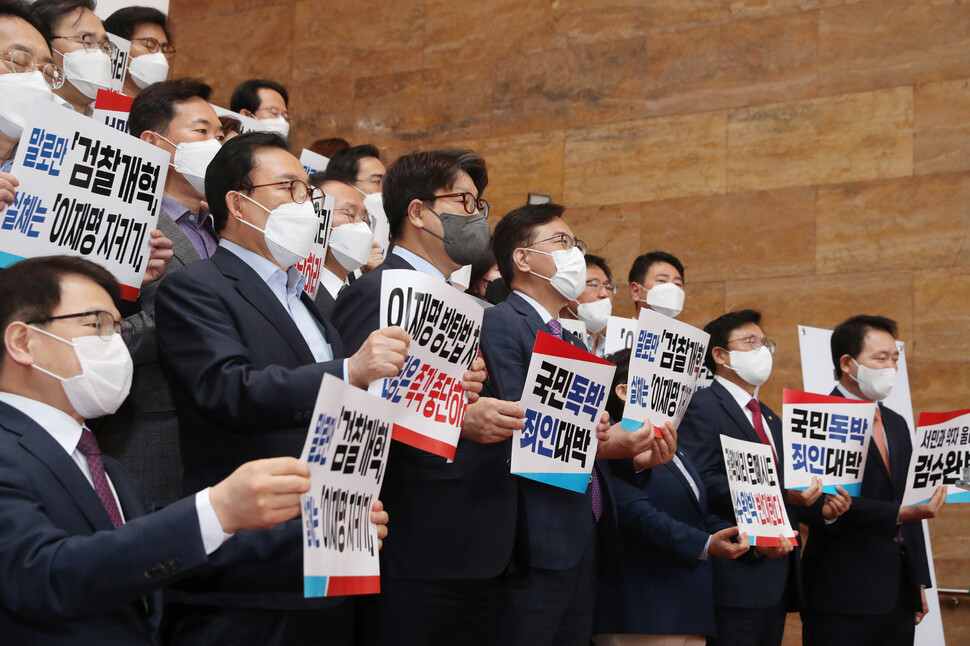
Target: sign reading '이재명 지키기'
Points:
(759, 504)
(346, 448)
(564, 396)
(941, 457)
(85, 190)
(825, 437)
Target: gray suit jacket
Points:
(143, 434)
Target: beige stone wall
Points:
(810, 158)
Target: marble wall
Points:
(809, 158)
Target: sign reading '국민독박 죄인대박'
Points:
(564, 396)
(85, 190)
(346, 448)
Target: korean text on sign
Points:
(941, 456)
(313, 265)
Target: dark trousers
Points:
(186, 625)
(750, 626)
(432, 613)
(550, 607)
(896, 628)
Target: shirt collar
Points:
(419, 263)
(546, 316)
(291, 280)
(177, 210)
(62, 427)
(846, 393)
(740, 394)
(331, 281)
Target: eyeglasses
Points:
(566, 241)
(596, 285)
(299, 190)
(23, 63)
(356, 215)
(379, 180)
(106, 324)
(153, 47)
(754, 343)
(469, 201)
(275, 112)
(92, 44)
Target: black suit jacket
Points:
(245, 383)
(70, 577)
(857, 564)
(451, 521)
(555, 524)
(752, 581)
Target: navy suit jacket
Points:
(451, 521)
(68, 576)
(857, 564)
(245, 383)
(556, 524)
(663, 528)
(752, 581)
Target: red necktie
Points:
(88, 446)
(879, 435)
(759, 428)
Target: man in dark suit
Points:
(83, 561)
(752, 594)
(440, 581)
(245, 350)
(559, 530)
(143, 434)
(866, 573)
(351, 240)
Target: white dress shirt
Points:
(742, 397)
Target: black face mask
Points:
(496, 291)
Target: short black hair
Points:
(599, 261)
(638, 272)
(23, 10)
(154, 107)
(420, 175)
(31, 289)
(124, 21)
(614, 405)
(345, 164)
(50, 12)
(230, 168)
(720, 330)
(849, 336)
(516, 230)
(246, 94)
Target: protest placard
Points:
(941, 453)
(313, 265)
(577, 329)
(564, 396)
(246, 124)
(119, 62)
(313, 162)
(825, 437)
(346, 448)
(620, 333)
(759, 504)
(85, 190)
(445, 328)
(111, 109)
(665, 365)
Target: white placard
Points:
(445, 327)
(246, 124)
(313, 265)
(119, 63)
(825, 437)
(313, 162)
(578, 329)
(564, 396)
(759, 505)
(620, 334)
(941, 452)
(346, 448)
(112, 109)
(665, 365)
(85, 190)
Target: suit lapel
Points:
(330, 333)
(730, 406)
(683, 481)
(531, 315)
(897, 442)
(182, 247)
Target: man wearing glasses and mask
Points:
(151, 47)
(595, 305)
(265, 100)
(80, 45)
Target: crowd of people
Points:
(149, 480)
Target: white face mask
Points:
(874, 384)
(570, 277)
(290, 231)
(88, 71)
(17, 94)
(754, 366)
(351, 244)
(277, 124)
(595, 315)
(105, 378)
(148, 68)
(666, 299)
(374, 203)
(192, 158)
